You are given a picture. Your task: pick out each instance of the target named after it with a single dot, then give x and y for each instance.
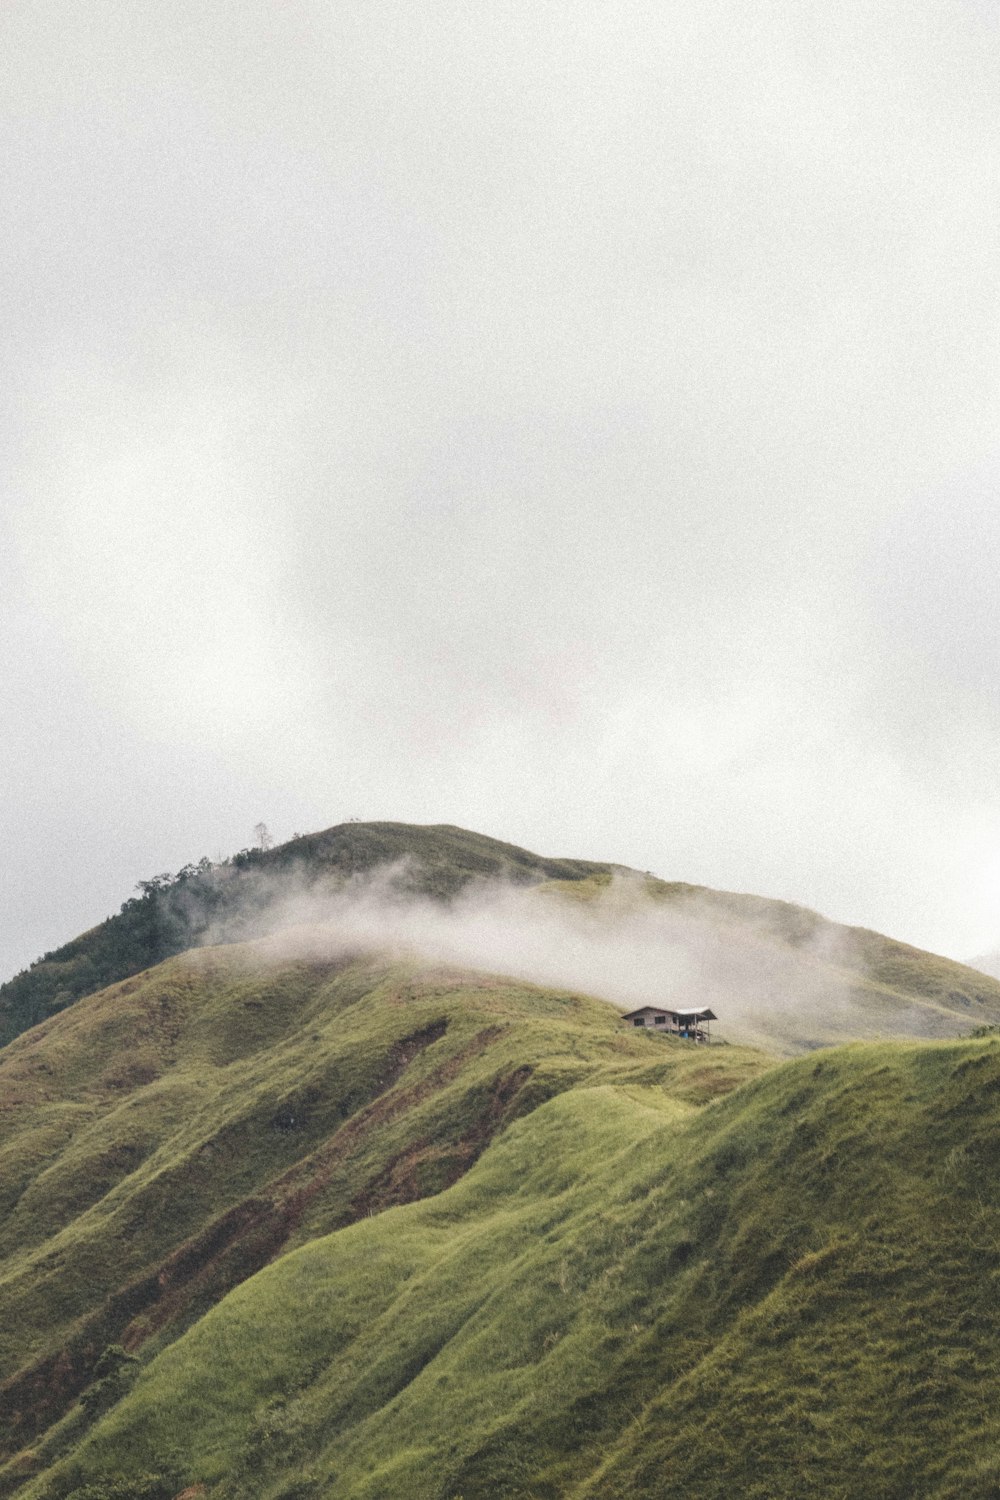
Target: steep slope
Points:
(792, 1293)
(164, 1139)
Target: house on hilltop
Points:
(692, 1024)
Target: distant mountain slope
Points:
(986, 963)
(166, 1138)
(788, 1295)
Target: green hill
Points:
(784, 977)
(166, 1138)
(655, 1281)
(295, 1220)
(241, 896)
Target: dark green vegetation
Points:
(233, 900)
(312, 1227)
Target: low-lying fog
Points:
(622, 944)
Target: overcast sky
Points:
(576, 421)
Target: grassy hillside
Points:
(783, 977)
(166, 1138)
(792, 1292)
(287, 1225)
(231, 901)
(786, 979)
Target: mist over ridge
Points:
(778, 975)
(608, 937)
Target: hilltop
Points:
(785, 978)
(242, 896)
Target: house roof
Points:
(701, 1014)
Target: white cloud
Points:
(563, 419)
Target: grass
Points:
(871, 986)
(374, 1230)
(165, 1139)
(240, 897)
(790, 1293)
